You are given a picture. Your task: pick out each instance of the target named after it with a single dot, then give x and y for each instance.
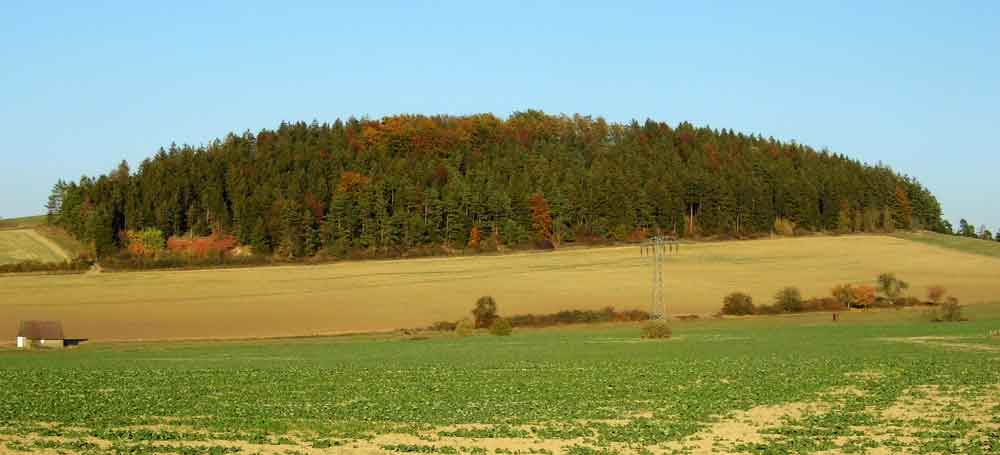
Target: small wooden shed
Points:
(40, 334)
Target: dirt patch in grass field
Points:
(933, 404)
(744, 427)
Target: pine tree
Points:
(260, 239)
(411, 181)
(53, 209)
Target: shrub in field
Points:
(949, 311)
(485, 311)
(844, 295)
(633, 315)
(148, 242)
(202, 246)
(891, 287)
(935, 294)
(783, 226)
(823, 304)
(444, 326)
(501, 327)
(864, 296)
(906, 301)
(737, 303)
(77, 265)
(464, 328)
(789, 299)
(577, 317)
(768, 309)
(656, 330)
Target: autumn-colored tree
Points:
(844, 217)
(411, 181)
(146, 243)
(904, 208)
(351, 180)
(474, 238)
(844, 295)
(541, 218)
(864, 296)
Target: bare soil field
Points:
(385, 295)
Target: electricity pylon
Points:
(657, 248)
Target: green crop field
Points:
(881, 382)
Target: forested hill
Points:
(411, 181)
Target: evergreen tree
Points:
(411, 181)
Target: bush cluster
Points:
(78, 265)
(658, 329)
(949, 311)
(565, 317)
(501, 327)
(464, 328)
(577, 317)
(443, 326)
(182, 261)
(485, 312)
(889, 294)
(738, 304)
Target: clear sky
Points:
(913, 84)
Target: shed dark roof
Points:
(41, 330)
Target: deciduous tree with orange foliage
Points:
(351, 180)
(864, 296)
(414, 181)
(474, 238)
(541, 219)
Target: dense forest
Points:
(406, 182)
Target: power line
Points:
(657, 248)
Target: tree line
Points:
(411, 181)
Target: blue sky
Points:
(912, 84)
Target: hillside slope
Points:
(30, 239)
(380, 187)
(964, 244)
(24, 245)
(379, 295)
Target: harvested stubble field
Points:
(30, 239)
(875, 382)
(386, 295)
(20, 245)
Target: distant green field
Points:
(883, 381)
(954, 242)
